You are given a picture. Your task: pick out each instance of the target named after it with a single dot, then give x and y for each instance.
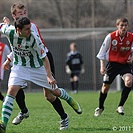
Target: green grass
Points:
(43, 118)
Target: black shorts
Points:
(113, 69)
(76, 73)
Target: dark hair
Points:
(20, 22)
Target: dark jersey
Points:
(74, 61)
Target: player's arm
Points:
(6, 28)
(68, 71)
(6, 20)
(82, 64)
(82, 69)
(6, 64)
(10, 56)
(67, 68)
(39, 47)
(102, 67)
(130, 59)
(50, 78)
(103, 52)
(6, 50)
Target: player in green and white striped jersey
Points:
(19, 9)
(30, 64)
(23, 48)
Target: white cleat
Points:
(64, 124)
(18, 119)
(120, 110)
(98, 111)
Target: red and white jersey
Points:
(37, 31)
(116, 48)
(4, 51)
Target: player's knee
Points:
(128, 81)
(50, 98)
(105, 88)
(75, 78)
(13, 90)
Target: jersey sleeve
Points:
(6, 28)
(35, 28)
(10, 56)
(1, 24)
(104, 50)
(7, 50)
(39, 47)
(67, 60)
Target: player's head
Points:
(17, 10)
(73, 46)
(22, 26)
(122, 25)
(125, 20)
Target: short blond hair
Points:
(121, 20)
(16, 6)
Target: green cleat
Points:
(2, 127)
(75, 106)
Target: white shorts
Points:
(20, 75)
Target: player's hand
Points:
(130, 60)
(6, 65)
(6, 20)
(82, 71)
(52, 82)
(68, 71)
(102, 70)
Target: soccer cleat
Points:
(64, 124)
(98, 111)
(2, 127)
(120, 110)
(75, 106)
(18, 119)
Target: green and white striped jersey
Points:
(27, 52)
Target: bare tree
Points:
(71, 13)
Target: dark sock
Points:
(124, 95)
(102, 99)
(76, 85)
(72, 85)
(20, 99)
(1, 97)
(58, 107)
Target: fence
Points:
(88, 44)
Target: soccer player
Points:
(116, 50)
(30, 63)
(17, 10)
(74, 66)
(4, 51)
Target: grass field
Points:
(43, 119)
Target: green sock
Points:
(64, 95)
(7, 108)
